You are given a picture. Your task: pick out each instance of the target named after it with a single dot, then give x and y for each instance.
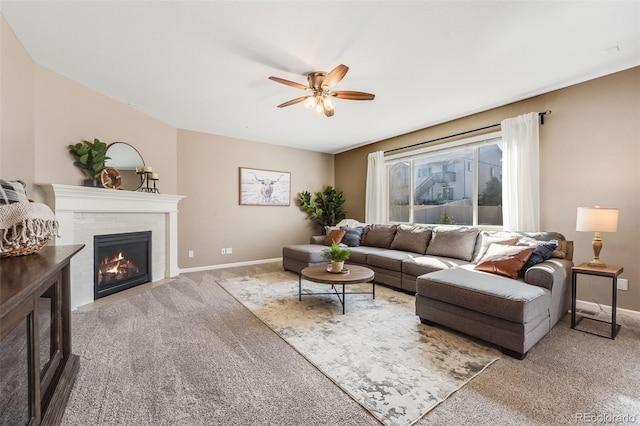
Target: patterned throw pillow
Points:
(543, 250)
(504, 260)
(353, 236)
(14, 191)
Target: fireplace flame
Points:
(116, 268)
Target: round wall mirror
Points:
(125, 158)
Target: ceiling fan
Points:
(320, 84)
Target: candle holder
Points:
(146, 176)
(153, 178)
(143, 179)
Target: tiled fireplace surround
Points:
(83, 212)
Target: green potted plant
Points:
(337, 255)
(90, 158)
(325, 209)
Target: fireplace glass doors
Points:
(121, 261)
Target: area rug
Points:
(378, 352)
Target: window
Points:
(459, 183)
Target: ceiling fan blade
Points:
(293, 101)
(354, 96)
(334, 76)
(289, 83)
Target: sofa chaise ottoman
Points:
(512, 314)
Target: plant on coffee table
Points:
(337, 255)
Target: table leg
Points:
(613, 307)
(374, 289)
(573, 300)
(344, 299)
(299, 287)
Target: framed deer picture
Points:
(264, 187)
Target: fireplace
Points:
(121, 261)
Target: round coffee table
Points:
(353, 274)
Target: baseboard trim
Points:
(598, 309)
(229, 265)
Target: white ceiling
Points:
(204, 65)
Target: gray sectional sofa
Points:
(461, 277)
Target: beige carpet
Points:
(209, 361)
(187, 353)
(378, 352)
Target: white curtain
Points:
(521, 173)
(375, 195)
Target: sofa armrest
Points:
(317, 239)
(555, 275)
(547, 273)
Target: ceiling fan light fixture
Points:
(328, 103)
(310, 103)
(320, 84)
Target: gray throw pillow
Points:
(457, 243)
(411, 238)
(380, 236)
(353, 237)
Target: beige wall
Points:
(67, 112)
(211, 218)
(589, 153)
(16, 109)
(43, 112)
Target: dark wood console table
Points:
(38, 368)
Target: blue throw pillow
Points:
(543, 250)
(353, 236)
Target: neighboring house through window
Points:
(458, 182)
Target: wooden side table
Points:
(35, 320)
(607, 271)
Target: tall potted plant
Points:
(90, 158)
(337, 255)
(325, 209)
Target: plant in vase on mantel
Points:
(90, 159)
(337, 255)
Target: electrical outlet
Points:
(223, 250)
(190, 253)
(229, 250)
(623, 284)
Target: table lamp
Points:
(597, 219)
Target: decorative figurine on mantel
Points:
(146, 175)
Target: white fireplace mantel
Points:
(67, 201)
(86, 199)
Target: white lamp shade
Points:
(597, 219)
